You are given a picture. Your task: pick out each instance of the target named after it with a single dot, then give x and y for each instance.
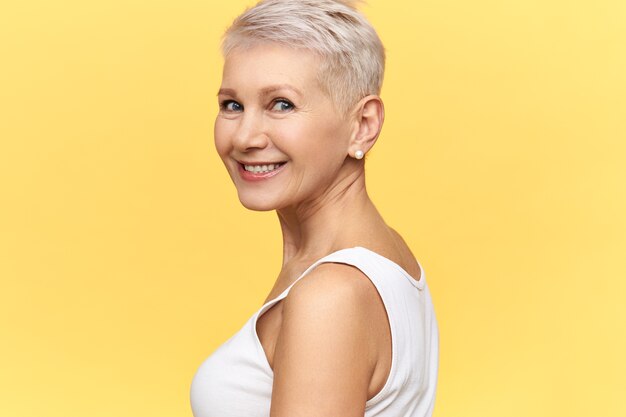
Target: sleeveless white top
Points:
(236, 380)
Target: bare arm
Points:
(324, 359)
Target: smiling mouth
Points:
(262, 168)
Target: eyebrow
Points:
(264, 92)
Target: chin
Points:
(258, 203)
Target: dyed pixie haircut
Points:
(352, 55)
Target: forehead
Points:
(264, 65)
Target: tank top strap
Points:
(332, 257)
(372, 264)
(368, 260)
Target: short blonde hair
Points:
(353, 56)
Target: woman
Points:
(348, 328)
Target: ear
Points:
(369, 116)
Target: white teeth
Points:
(261, 168)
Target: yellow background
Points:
(126, 259)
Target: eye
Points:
(230, 106)
(282, 105)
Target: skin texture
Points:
(328, 341)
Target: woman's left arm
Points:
(323, 361)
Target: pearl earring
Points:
(359, 154)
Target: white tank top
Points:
(236, 380)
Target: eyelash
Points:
(283, 100)
(225, 103)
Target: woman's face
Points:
(279, 135)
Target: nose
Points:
(250, 133)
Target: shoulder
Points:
(331, 288)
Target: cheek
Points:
(331, 143)
(311, 139)
(221, 134)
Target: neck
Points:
(341, 217)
